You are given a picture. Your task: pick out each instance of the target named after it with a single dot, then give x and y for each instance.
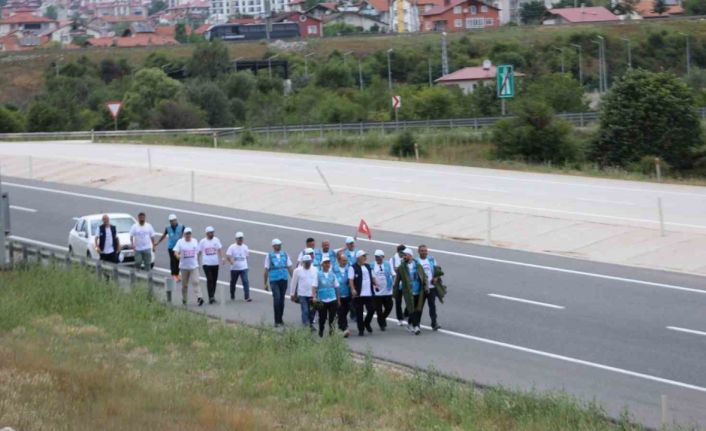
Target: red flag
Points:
(364, 229)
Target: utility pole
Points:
(306, 65)
(360, 75)
(346, 54)
(627, 42)
(578, 47)
(429, 64)
(3, 223)
(602, 68)
(444, 55)
(561, 56)
(688, 53)
(389, 70)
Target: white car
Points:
(82, 236)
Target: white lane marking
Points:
(605, 201)
(25, 209)
(514, 347)
(526, 301)
(335, 235)
(688, 331)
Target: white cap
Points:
(276, 242)
(379, 253)
(187, 230)
(350, 240)
(408, 251)
(325, 259)
(210, 229)
(306, 258)
(360, 253)
(172, 217)
(308, 250)
(238, 235)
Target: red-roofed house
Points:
(308, 25)
(470, 78)
(645, 9)
(22, 41)
(26, 22)
(578, 15)
(323, 9)
(460, 15)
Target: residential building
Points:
(322, 10)
(460, 15)
(65, 33)
(17, 6)
(404, 16)
(470, 78)
(18, 40)
(106, 24)
(26, 23)
(645, 9)
(221, 8)
(308, 25)
(258, 8)
(579, 15)
(361, 22)
(378, 9)
(114, 8)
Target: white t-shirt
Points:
(188, 252)
(210, 248)
(427, 270)
(395, 261)
(143, 236)
(239, 254)
(303, 279)
(366, 285)
(108, 245)
(381, 280)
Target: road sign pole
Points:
(503, 108)
(3, 223)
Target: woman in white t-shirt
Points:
(187, 251)
(237, 255)
(211, 257)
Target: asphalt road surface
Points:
(622, 335)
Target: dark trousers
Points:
(431, 301)
(416, 317)
(243, 274)
(279, 290)
(109, 257)
(211, 273)
(383, 308)
(400, 309)
(173, 263)
(327, 312)
(360, 303)
(343, 311)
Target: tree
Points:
(338, 29)
(180, 33)
(532, 12)
(695, 7)
(659, 7)
(148, 88)
(535, 135)
(43, 117)
(334, 74)
(571, 3)
(156, 6)
(647, 114)
(625, 7)
(209, 60)
(559, 91)
(210, 99)
(176, 114)
(11, 121)
(239, 85)
(51, 13)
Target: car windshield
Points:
(122, 224)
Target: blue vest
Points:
(278, 267)
(416, 284)
(388, 274)
(342, 275)
(326, 290)
(173, 235)
(317, 257)
(350, 255)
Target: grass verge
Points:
(77, 354)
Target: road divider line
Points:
(526, 301)
(687, 331)
(335, 235)
(25, 209)
(469, 337)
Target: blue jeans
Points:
(307, 317)
(234, 274)
(279, 290)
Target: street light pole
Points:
(306, 65)
(688, 53)
(444, 55)
(346, 54)
(578, 47)
(429, 64)
(627, 42)
(600, 66)
(389, 70)
(360, 75)
(561, 56)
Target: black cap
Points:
(401, 247)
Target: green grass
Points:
(77, 354)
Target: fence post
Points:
(133, 277)
(99, 269)
(93, 136)
(489, 229)
(150, 285)
(665, 412)
(658, 169)
(149, 160)
(661, 217)
(29, 167)
(215, 140)
(193, 187)
(24, 253)
(10, 254)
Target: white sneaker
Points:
(410, 328)
(417, 330)
(401, 323)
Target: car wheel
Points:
(71, 251)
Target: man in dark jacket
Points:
(362, 284)
(107, 242)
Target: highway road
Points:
(622, 335)
(623, 203)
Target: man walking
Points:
(327, 251)
(186, 251)
(362, 284)
(428, 263)
(341, 271)
(302, 289)
(395, 262)
(313, 251)
(278, 268)
(141, 239)
(384, 276)
(107, 242)
(410, 282)
(211, 257)
(173, 233)
(237, 255)
(350, 251)
(325, 292)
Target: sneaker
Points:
(417, 330)
(346, 334)
(435, 327)
(183, 302)
(232, 298)
(248, 300)
(383, 328)
(361, 333)
(211, 300)
(369, 328)
(401, 323)
(321, 333)
(200, 302)
(410, 328)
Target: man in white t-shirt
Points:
(303, 280)
(186, 251)
(428, 264)
(211, 256)
(142, 240)
(384, 276)
(237, 255)
(362, 284)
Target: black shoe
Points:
(321, 333)
(435, 327)
(383, 328)
(200, 302)
(369, 328)
(211, 300)
(361, 333)
(183, 302)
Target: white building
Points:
(220, 8)
(510, 9)
(404, 17)
(258, 8)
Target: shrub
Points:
(247, 138)
(11, 121)
(403, 146)
(175, 114)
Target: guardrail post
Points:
(215, 140)
(360, 127)
(475, 124)
(150, 285)
(116, 274)
(340, 129)
(662, 232)
(284, 135)
(67, 261)
(25, 253)
(10, 253)
(133, 277)
(581, 121)
(29, 167)
(268, 133)
(99, 269)
(321, 131)
(93, 136)
(416, 151)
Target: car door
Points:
(74, 242)
(81, 238)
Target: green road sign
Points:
(505, 81)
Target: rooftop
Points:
(477, 73)
(25, 18)
(584, 14)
